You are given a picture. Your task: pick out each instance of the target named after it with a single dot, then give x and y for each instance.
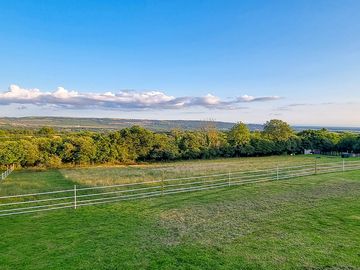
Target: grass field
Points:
(139, 173)
(108, 175)
(304, 223)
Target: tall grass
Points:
(94, 176)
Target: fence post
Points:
(277, 172)
(315, 166)
(343, 167)
(75, 199)
(229, 182)
(162, 183)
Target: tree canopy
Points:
(136, 144)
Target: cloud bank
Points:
(122, 100)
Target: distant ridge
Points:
(72, 123)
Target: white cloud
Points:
(62, 93)
(247, 98)
(122, 100)
(15, 92)
(211, 99)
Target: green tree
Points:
(239, 135)
(29, 153)
(103, 148)
(348, 142)
(164, 148)
(319, 139)
(191, 144)
(136, 142)
(10, 152)
(277, 130)
(262, 146)
(46, 131)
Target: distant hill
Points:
(68, 123)
(334, 129)
(73, 124)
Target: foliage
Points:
(277, 130)
(45, 147)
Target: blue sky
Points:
(225, 60)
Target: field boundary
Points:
(86, 196)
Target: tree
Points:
(84, 151)
(239, 135)
(319, 139)
(24, 148)
(277, 130)
(29, 153)
(10, 153)
(262, 146)
(48, 147)
(137, 142)
(191, 144)
(348, 142)
(46, 131)
(78, 150)
(356, 147)
(164, 148)
(103, 148)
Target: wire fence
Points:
(8, 171)
(86, 196)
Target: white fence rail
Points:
(85, 196)
(7, 172)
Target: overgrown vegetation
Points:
(46, 147)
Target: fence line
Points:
(86, 196)
(8, 171)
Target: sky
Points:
(248, 61)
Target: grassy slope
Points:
(310, 222)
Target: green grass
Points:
(32, 181)
(105, 175)
(304, 223)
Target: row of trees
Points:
(45, 147)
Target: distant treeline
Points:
(46, 147)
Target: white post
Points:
(277, 172)
(75, 202)
(229, 179)
(162, 182)
(343, 165)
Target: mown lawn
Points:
(304, 223)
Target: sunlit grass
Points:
(108, 175)
(303, 223)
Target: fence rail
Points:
(86, 196)
(7, 172)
